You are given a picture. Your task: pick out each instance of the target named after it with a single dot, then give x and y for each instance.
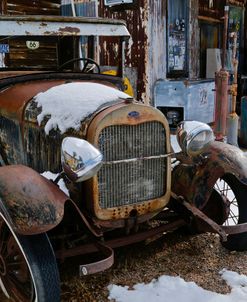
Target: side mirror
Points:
(80, 160)
(193, 137)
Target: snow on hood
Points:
(67, 105)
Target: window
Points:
(177, 38)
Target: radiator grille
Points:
(126, 183)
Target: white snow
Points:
(53, 176)
(67, 105)
(174, 142)
(174, 289)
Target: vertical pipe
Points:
(221, 87)
(232, 120)
(226, 15)
(221, 104)
(73, 8)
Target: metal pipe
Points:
(221, 87)
(226, 16)
(73, 8)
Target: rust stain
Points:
(118, 115)
(196, 182)
(69, 29)
(136, 57)
(14, 99)
(33, 203)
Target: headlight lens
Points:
(80, 160)
(194, 136)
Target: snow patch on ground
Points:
(173, 289)
(67, 105)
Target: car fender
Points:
(31, 203)
(194, 180)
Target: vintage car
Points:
(86, 168)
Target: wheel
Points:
(28, 268)
(234, 195)
(86, 61)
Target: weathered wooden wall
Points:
(30, 7)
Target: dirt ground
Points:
(198, 258)
(195, 258)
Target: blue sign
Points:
(4, 48)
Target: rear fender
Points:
(31, 203)
(195, 181)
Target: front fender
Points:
(31, 203)
(195, 180)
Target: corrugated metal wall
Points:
(136, 55)
(194, 41)
(157, 62)
(30, 7)
(145, 55)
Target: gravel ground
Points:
(198, 258)
(195, 258)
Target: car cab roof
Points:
(61, 26)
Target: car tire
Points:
(235, 192)
(28, 268)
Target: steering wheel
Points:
(86, 61)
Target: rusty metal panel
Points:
(222, 159)
(156, 60)
(136, 53)
(10, 141)
(42, 151)
(60, 26)
(32, 203)
(146, 49)
(136, 117)
(194, 41)
(15, 98)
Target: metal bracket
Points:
(205, 223)
(101, 265)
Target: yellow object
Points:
(127, 86)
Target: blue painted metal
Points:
(195, 97)
(243, 124)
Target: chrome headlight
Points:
(194, 136)
(80, 160)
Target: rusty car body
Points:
(143, 187)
